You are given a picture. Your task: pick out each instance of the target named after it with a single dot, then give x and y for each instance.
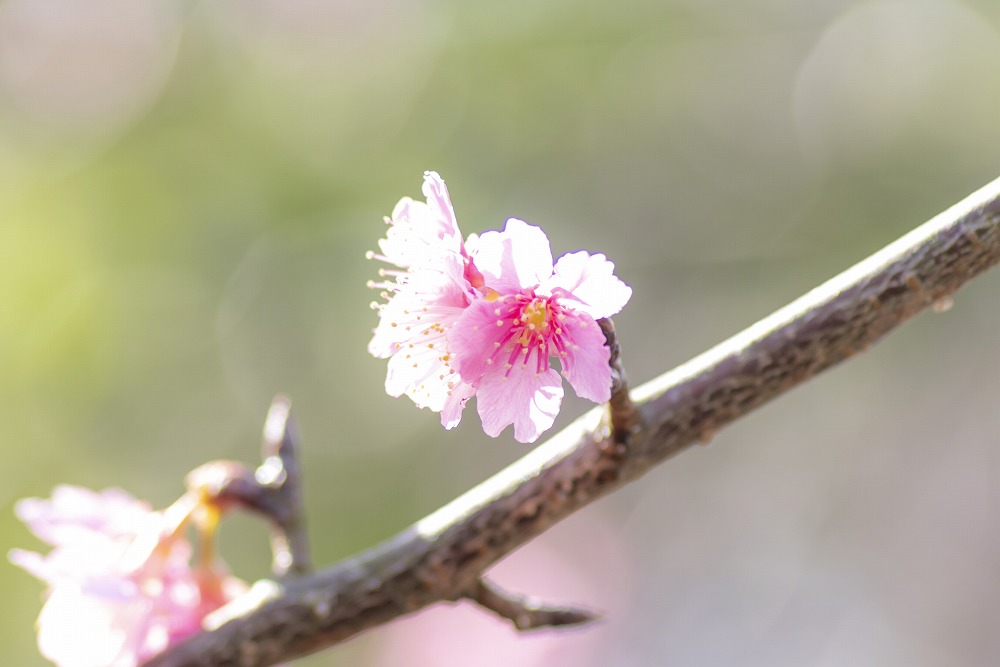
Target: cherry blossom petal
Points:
(78, 630)
(404, 320)
(411, 239)
(420, 373)
(74, 512)
(412, 333)
(591, 281)
(476, 336)
(519, 257)
(419, 233)
(528, 400)
(424, 297)
(454, 404)
(586, 364)
(67, 563)
(439, 201)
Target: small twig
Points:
(525, 612)
(273, 490)
(281, 473)
(624, 414)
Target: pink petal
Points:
(416, 371)
(586, 365)
(422, 368)
(451, 413)
(517, 258)
(31, 562)
(77, 630)
(88, 558)
(74, 512)
(523, 398)
(414, 237)
(591, 280)
(439, 200)
(476, 336)
(412, 333)
(419, 232)
(425, 298)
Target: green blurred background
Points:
(187, 191)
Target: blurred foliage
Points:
(187, 191)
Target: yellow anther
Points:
(536, 315)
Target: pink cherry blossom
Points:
(486, 315)
(534, 312)
(121, 587)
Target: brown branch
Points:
(525, 612)
(622, 412)
(444, 555)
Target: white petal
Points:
(591, 281)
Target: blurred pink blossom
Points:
(580, 562)
(121, 587)
(486, 315)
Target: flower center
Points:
(534, 331)
(535, 315)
